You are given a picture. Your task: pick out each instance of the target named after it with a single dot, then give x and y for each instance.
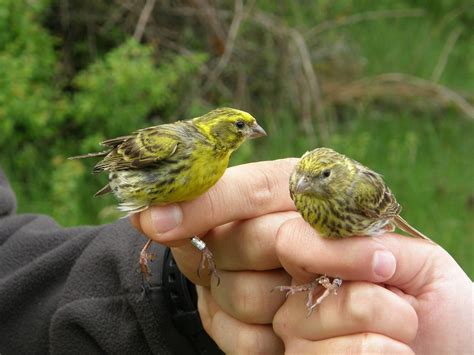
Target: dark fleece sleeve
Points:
(77, 290)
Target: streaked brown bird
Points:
(339, 197)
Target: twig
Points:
(447, 49)
(364, 16)
(403, 85)
(273, 24)
(313, 84)
(189, 11)
(211, 20)
(229, 46)
(115, 17)
(143, 19)
(451, 16)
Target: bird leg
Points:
(144, 257)
(207, 259)
(313, 289)
(330, 287)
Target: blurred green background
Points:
(390, 83)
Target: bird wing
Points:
(373, 197)
(145, 148)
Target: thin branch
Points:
(209, 17)
(189, 11)
(143, 19)
(313, 83)
(364, 16)
(269, 22)
(399, 85)
(451, 16)
(447, 49)
(229, 46)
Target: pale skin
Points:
(249, 222)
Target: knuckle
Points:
(358, 305)
(284, 237)
(280, 322)
(370, 343)
(262, 193)
(205, 319)
(365, 342)
(247, 341)
(244, 301)
(213, 200)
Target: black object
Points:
(182, 298)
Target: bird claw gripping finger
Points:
(291, 290)
(144, 258)
(207, 259)
(313, 288)
(330, 287)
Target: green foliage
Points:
(116, 94)
(27, 62)
(71, 76)
(42, 121)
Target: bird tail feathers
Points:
(131, 208)
(106, 189)
(404, 226)
(90, 155)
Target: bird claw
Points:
(207, 259)
(144, 258)
(330, 287)
(291, 290)
(312, 289)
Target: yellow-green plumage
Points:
(340, 197)
(173, 162)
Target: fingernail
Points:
(384, 264)
(166, 218)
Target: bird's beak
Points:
(257, 131)
(303, 185)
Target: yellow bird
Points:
(172, 163)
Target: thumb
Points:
(407, 263)
(244, 191)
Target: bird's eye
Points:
(326, 173)
(240, 124)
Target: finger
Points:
(248, 244)
(135, 220)
(391, 258)
(364, 343)
(243, 192)
(358, 307)
(242, 245)
(235, 337)
(247, 296)
(207, 307)
(232, 335)
(188, 259)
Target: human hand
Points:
(413, 296)
(238, 219)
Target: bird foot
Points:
(207, 259)
(330, 287)
(145, 257)
(291, 290)
(313, 289)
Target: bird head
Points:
(228, 128)
(322, 173)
